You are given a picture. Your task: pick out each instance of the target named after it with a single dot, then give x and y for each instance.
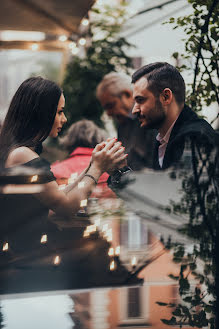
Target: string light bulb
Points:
(57, 260)
(112, 265)
(134, 261)
(85, 22)
(5, 246)
(75, 51)
(62, 38)
(34, 178)
(111, 252)
(82, 41)
(34, 46)
(117, 251)
(72, 45)
(43, 238)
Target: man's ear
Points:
(166, 96)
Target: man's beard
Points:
(155, 117)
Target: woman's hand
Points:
(107, 156)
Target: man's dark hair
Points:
(161, 75)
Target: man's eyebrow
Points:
(139, 97)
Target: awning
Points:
(54, 17)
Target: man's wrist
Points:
(115, 178)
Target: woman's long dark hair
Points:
(30, 115)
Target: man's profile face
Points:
(147, 107)
(114, 106)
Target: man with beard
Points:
(159, 96)
(115, 95)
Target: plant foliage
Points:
(201, 56)
(105, 52)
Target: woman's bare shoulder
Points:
(20, 155)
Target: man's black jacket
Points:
(187, 129)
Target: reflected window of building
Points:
(134, 305)
(134, 232)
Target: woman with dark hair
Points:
(36, 112)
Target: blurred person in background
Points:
(80, 141)
(115, 95)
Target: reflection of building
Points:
(132, 307)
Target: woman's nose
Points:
(64, 119)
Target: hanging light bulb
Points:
(86, 234)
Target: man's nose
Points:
(135, 109)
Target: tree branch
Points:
(204, 31)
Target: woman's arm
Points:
(68, 202)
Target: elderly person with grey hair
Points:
(80, 140)
(115, 95)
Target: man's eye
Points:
(140, 100)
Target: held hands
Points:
(109, 155)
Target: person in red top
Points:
(80, 140)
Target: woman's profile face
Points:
(60, 118)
